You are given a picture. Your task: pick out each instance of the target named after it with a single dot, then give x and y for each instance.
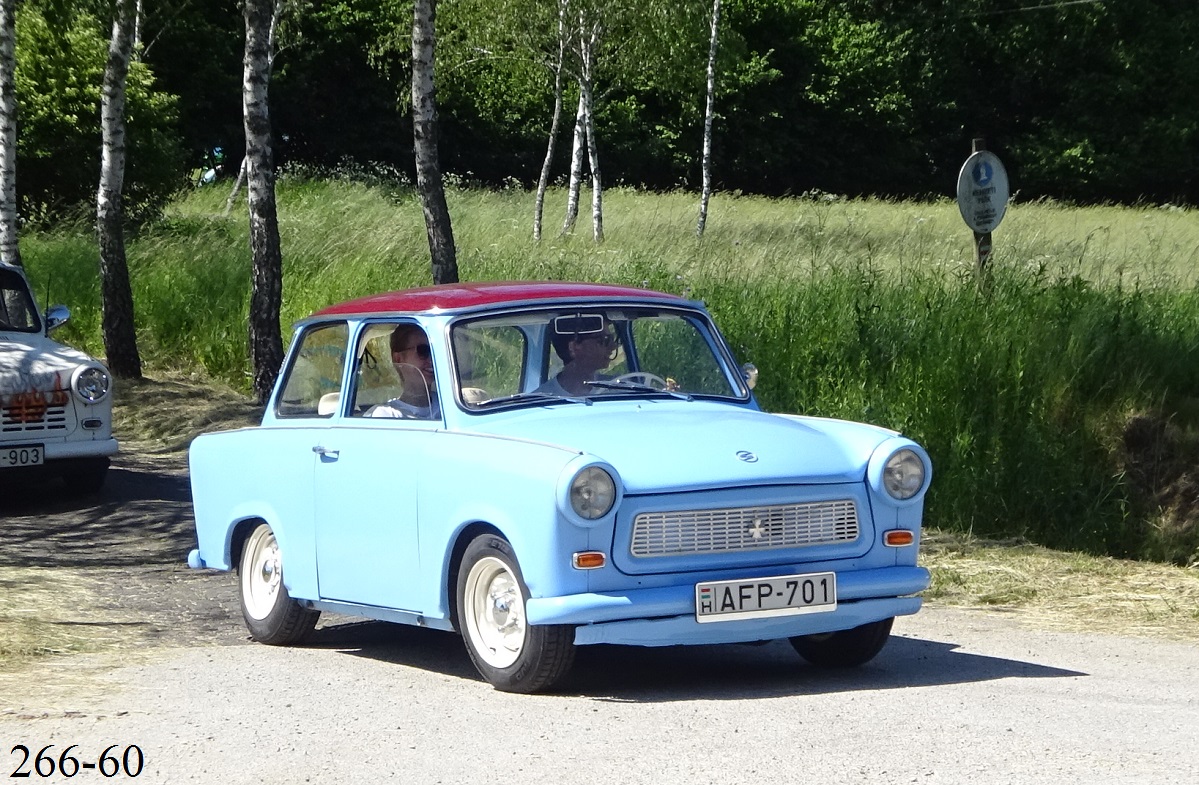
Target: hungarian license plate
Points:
(757, 598)
(22, 455)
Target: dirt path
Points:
(113, 565)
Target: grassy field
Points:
(1059, 398)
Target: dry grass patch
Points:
(166, 412)
(1068, 591)
(45, 611)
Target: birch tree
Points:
(120, 337)
(10, 250)
(444, 259)
(555, 118)
(589, 33)
(266, 292)
(578, 154)
(709, 108)
(586, 39)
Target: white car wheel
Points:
(261, 574)
(271, 615)
(510, 653)
(495, 612)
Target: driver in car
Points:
(584, 354)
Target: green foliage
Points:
(58, 80)
(195, 52)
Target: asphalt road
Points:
(956, 697)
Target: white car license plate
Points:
(22, 455)
(785, 595)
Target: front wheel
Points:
(510, 653)
(847, 648)
(271, 615)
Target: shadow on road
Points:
(141, 516)
(683, 673)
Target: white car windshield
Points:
(587, 352)
(17, 311)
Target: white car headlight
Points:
(91, 383)
(903, 475)
(592, 493)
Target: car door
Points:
(368, 476)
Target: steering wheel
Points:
(643, 377)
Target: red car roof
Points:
(470, 295)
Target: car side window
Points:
(313, 385)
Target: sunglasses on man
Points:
(422, 350)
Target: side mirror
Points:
(750, 372)
(56, 316)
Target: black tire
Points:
(86, 477)
(845, 649)
(271, 615)
(512, 655)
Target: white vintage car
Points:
(55, 401)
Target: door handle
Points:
(325, 452)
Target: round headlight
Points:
(903, 476)
(592, 493)
(91, 384)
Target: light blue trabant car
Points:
(541, 466)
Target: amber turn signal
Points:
(589, 560)
(898, 538)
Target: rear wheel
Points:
(847, 648)
(510, 653)
(271, 615)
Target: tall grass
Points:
(1023, 389)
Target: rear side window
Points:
(313, 384)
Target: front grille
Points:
(677, 533)
(32, 415)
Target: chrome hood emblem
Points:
(747, 456)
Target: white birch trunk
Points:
(587, 48)
(266, 289)
(577, 155)
(706, 159)
(544, 180)
(10, 250)
(444, 256)
(120, 338)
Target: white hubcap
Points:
(262, 574)
(495, 612)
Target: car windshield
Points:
(17, 311)
(582, 354)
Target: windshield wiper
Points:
(635, 387)
(534, 395)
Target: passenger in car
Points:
(584, 355)
(413, 360)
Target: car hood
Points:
(670, 445)
(34, 363)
